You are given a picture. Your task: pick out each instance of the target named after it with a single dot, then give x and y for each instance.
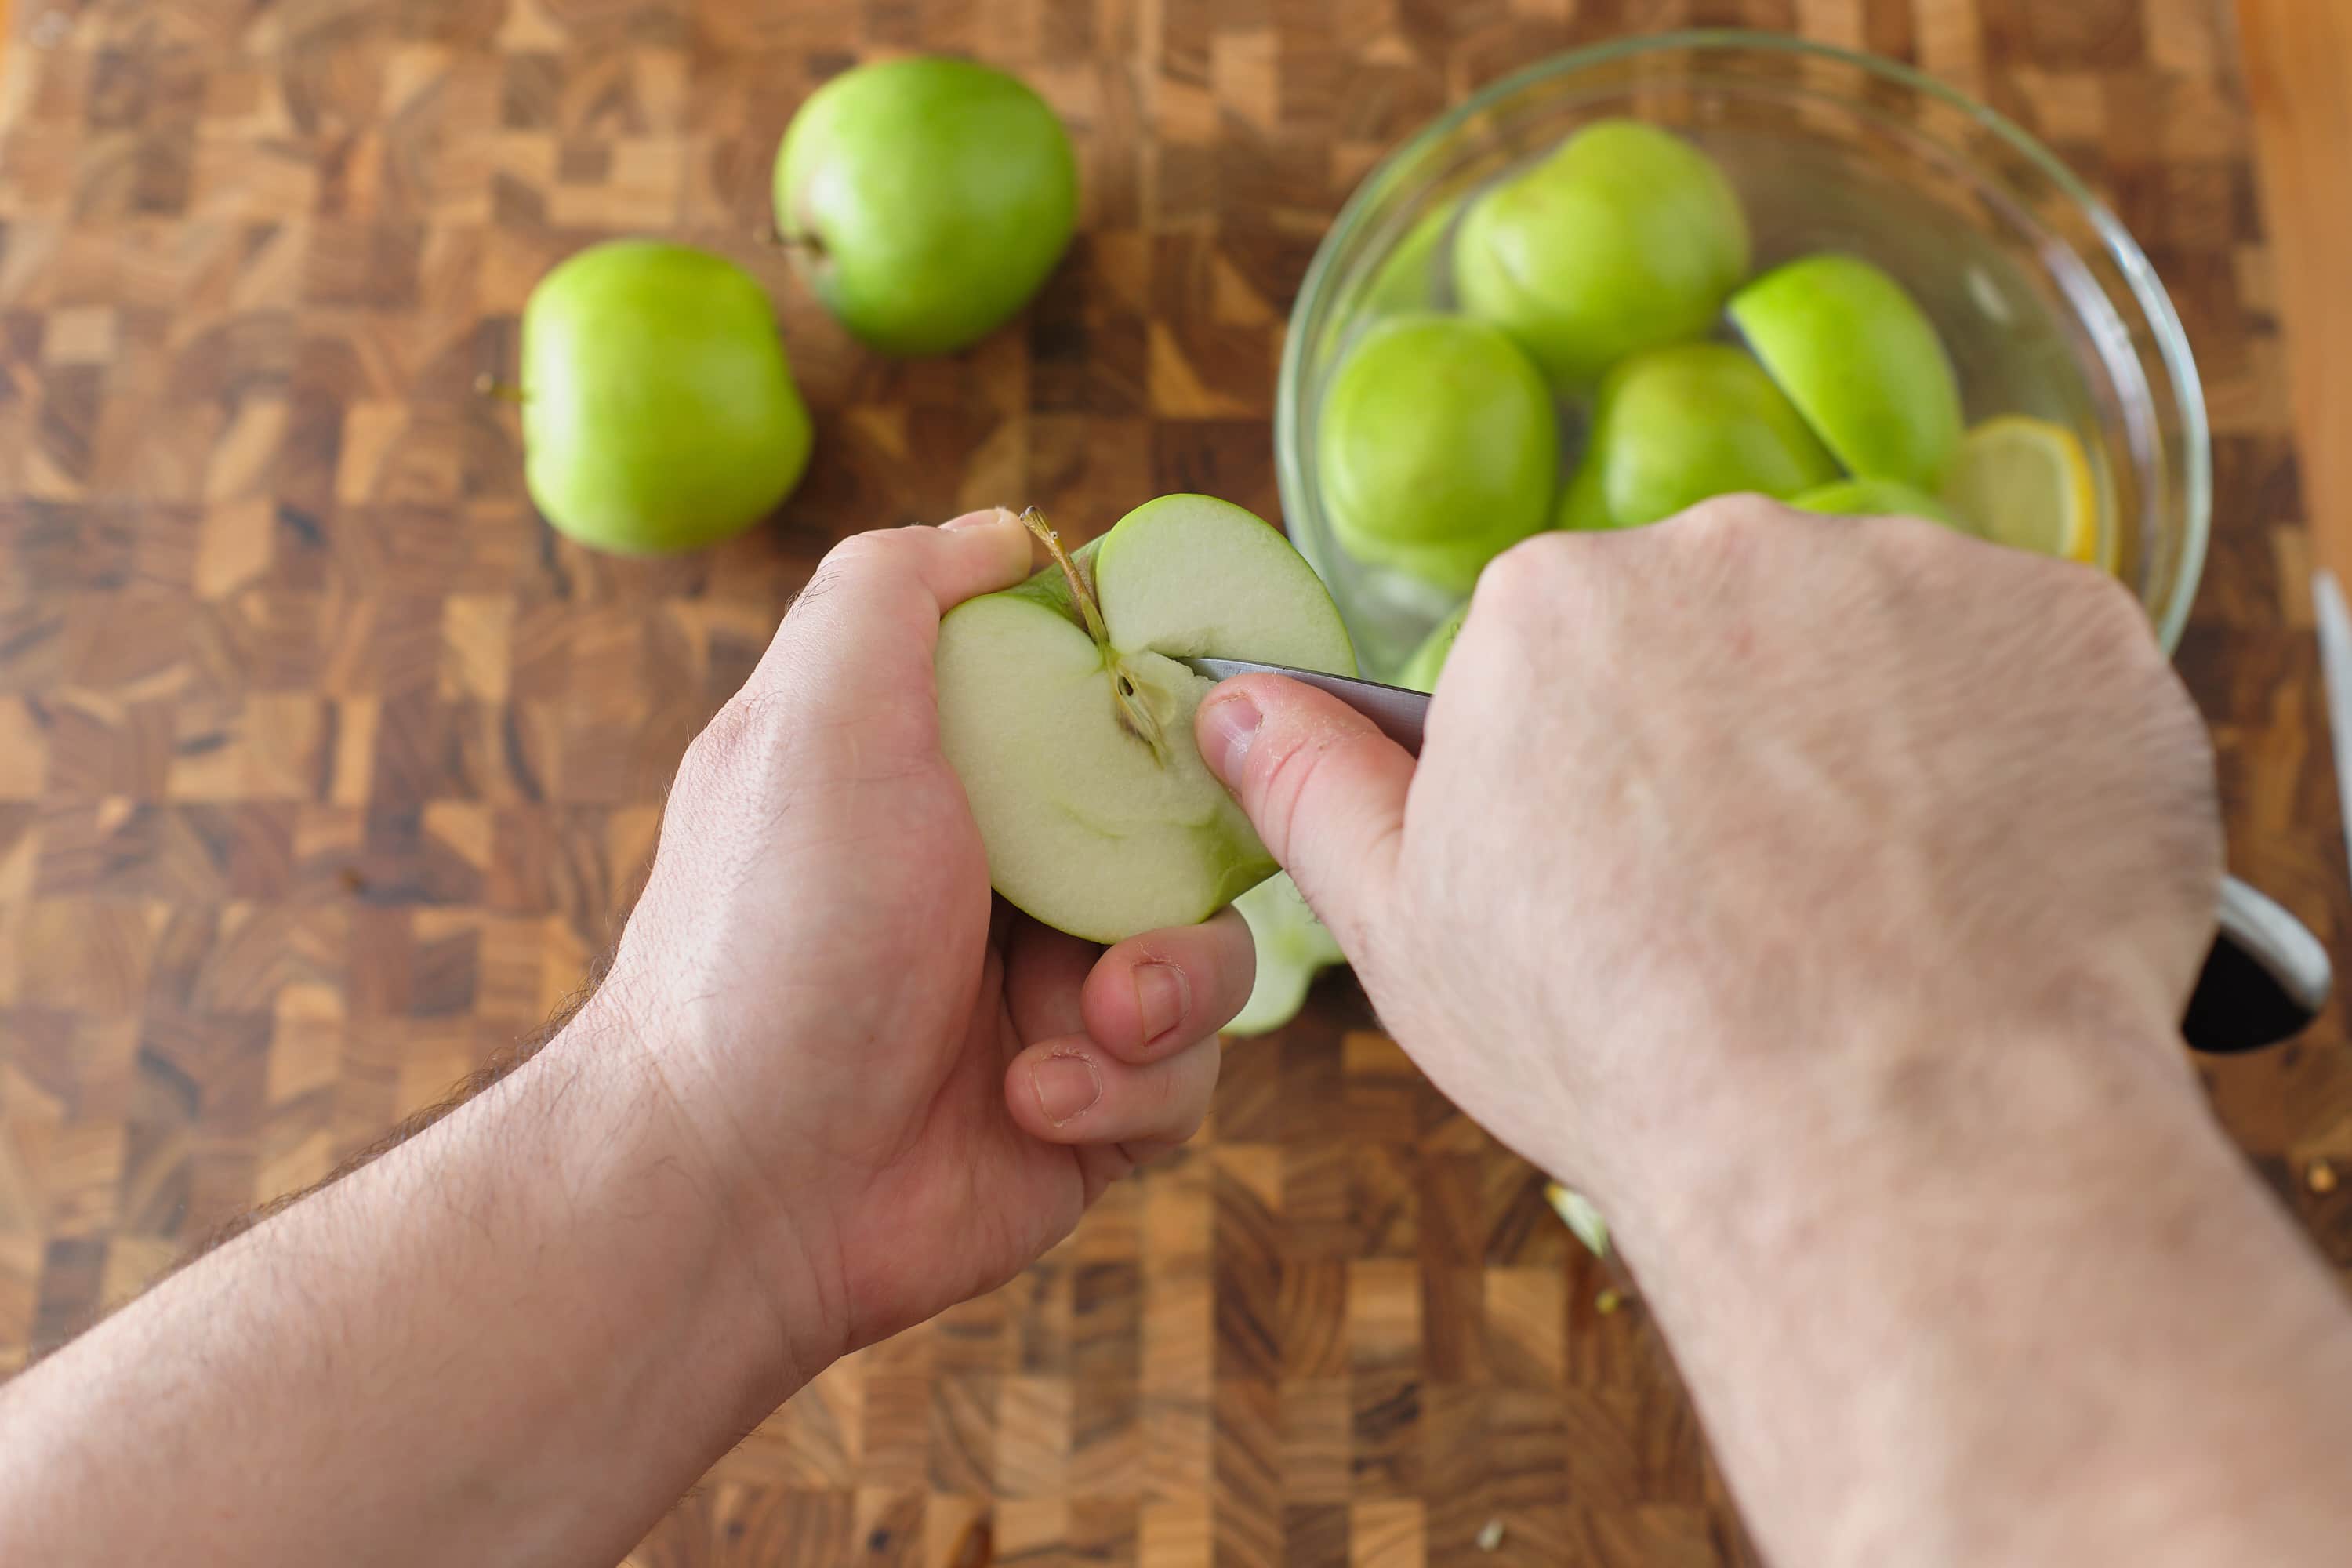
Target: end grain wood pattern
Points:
(325, 769)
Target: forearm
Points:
(2015, 1306)
(517, 1338)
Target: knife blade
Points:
(2336, 677)
(2266, 978)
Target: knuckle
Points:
(1726, 522)
(737, 735)
(854, 557)
(1528, 580)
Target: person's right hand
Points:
(1720, 820)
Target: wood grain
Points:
(325, 770)
(2299, 87)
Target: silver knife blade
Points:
(1397, 711)
(2335, 677)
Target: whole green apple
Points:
(1064, 712)
(1437, 448)
(925, 200)
(1861, 361)
(1876, 498)
(658, 412)
(1626, 238)
(1675, 425)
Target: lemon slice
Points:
(2025, 482)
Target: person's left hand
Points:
(902, 1090)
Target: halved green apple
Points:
(1677, 425)
(1293, 947)
(1862, 361)
(1064, 712)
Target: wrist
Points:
(1753, 1137)
(649, 1142)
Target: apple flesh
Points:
(1626, 238)
(1437, 448)
(1677, 425)
(658, 414)
(1861, 362)
(1876, 498)
(925, 200)
(1064, 712)
(1293, 947)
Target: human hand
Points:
(1718, 820)
(902, 1092)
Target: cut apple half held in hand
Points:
(1063, 710)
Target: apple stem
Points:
(489, 385)
(775, 239)
(1089, 609)
(1132, 713)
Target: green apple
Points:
(1437, 448)
(658, 412)
(1064, 712)
(1876, 498)
(925, 200)
(1675, 425)
(1861, 361)
(1626, 238)
(1293, 947)
(1421, 669)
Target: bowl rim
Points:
(2139, 274)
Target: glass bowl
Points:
(2046, 305)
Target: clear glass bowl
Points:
(2046, 304)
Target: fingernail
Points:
(1066, 1088)
(974, 518)
(1160, 996)
(1230, 725)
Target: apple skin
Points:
(1876, 498)
(658, 414)
(1626, 238)
(1421, 672)
(1861, 362)
(926, 199)
(1089, 827)
(1437, 448)
(1677, 425)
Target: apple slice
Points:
(1064, 712)
(1293, 947)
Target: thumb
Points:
(1324, 788)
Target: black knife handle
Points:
(2265, 982)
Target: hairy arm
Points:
(1821, 898)
(516, 1337)
(813, 1104)
(2010, 1301)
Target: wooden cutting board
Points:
(324, 768)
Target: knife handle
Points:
(2265, 982)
